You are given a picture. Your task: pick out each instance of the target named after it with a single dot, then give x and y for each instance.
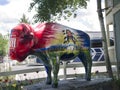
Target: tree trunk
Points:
(105, 48)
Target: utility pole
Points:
(105, 47)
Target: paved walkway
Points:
(75, 84)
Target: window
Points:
(98, 43)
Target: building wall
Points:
(115, 2)
(113, 17)
(98, 34)
(116, 21)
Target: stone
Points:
(75, 84)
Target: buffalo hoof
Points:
(88, 79)
(48, 81)
(55, 85)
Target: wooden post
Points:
(64, 69)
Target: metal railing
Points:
(64, 67)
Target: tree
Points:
(49, 10)
(3, 46)
(106, 55)
(24, 19)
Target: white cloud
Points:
(13, 11)
(87, 19)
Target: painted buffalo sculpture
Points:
(51, 42)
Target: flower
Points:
(14, 85)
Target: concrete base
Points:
(76, 84)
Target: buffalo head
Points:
(21, 41)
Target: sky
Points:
(12, 10)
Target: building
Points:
(98, 34)
(112, 14)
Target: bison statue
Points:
(51, 42)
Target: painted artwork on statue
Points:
(51, 42)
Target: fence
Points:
(65, 67)
(19, 85)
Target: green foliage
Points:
(49, 10)
(3, 46)
(118, 82)
(24, 19)
(8, 83)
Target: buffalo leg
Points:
(55, 65)
(47, 65)
(48, 70)
(85, 57)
